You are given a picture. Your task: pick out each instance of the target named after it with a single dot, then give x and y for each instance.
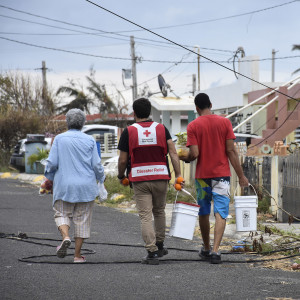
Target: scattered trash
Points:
(295, 266)
(243, 246)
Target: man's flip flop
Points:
(61, 250)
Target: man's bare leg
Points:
(218, 232)
(205, 231)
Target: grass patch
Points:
(118, 193)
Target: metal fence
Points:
(290, 172)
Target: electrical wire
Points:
(216, 19)
(147, 60)
(67, 51)
(271, 118)
(90, 28)
(22, 237)
(179, 45)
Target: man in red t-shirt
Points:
(210, 139)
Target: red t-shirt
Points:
(210, 133)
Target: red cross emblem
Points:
(146, 133)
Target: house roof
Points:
(98, 117)
(184, 103)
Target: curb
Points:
(32, 178)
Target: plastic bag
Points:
(46, 187)
(102, 192)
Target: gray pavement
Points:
(114, 271)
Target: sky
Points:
(28, 29)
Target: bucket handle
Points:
(253, 190)
(175, 200)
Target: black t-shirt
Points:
(124, 139)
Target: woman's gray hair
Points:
(75, 118)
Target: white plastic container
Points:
(184, 217)
(246, 212)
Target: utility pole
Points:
(44, 70)
(133, 61)
(194, 84)
(198, 60)
(273, 65)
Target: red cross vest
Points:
(148, 150)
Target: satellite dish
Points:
(162, 85)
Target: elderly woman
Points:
(74, 166)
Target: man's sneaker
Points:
(151, 258)
(204, 254)
(161, 249)
(215, 258)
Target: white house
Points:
(176, 113)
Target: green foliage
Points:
(16, 124)
(24, 108)
(81, 100)
(42, 154)
(182, 197)
(264, 205)
(182, 138)
(114, 187)
(99, 94)
(4, 161)
(20, 92)
(265, 247)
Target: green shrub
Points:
(113, 186)
(264, 205)
(42, 154)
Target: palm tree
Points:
(80, 101)
(99, 93)
(296, 47)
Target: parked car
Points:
(17, 160)
(111, 166)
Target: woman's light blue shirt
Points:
(74, 166)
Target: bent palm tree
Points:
(99, 92)
(296, 47)
(81, 100)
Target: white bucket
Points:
(246, 212)
(184, 217)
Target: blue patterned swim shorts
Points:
(216, 189)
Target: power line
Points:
(20, 33)
(214, 20)
(85, 27)
(179, 45)
(52, 26)
(148, 60)
(67, 51)
(286, 119)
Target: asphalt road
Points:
(114, 271)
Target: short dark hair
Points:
(142, 108)
(202, 101)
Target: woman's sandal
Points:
(79, 259)
(61, 250)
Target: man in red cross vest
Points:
(145, 144)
